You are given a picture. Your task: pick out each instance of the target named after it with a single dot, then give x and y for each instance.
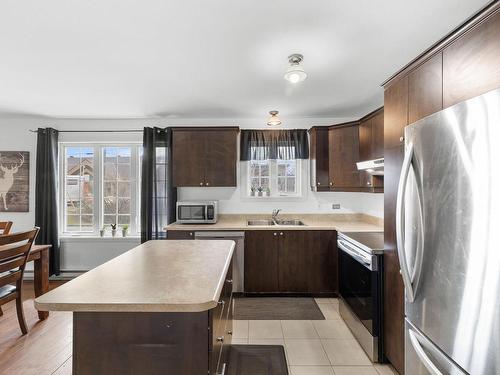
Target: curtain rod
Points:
(96, 131)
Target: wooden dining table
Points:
(40, 256)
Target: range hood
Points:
(374, 167)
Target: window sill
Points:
(275, 198)
(66, 238)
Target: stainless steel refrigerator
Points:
(448, 235)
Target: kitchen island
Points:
(162, 307)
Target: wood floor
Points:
(47, 347)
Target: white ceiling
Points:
(209, 58)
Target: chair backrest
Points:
(14, 251)
(5, 227)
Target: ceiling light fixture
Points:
(295, 72)
(274, 120)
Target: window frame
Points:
(246, 171)
(135, 173)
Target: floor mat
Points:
(276, 308)
(257, 360)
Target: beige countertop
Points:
(339, 222)
(157, 276)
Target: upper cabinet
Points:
(204, 157)
(395, 113)
(371, 136)
(319, 156)
(343, 156)
(336, 149)
(425, 89)
(471, 63)
(371, 146)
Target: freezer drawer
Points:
(422, 357)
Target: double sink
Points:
(269, 222)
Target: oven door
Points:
(191, 213)
(359, 287)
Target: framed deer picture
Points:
(14, 181)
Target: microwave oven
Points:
(197, 212)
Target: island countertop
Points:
(157, 276)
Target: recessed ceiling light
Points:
(274, 120)
(295, 72)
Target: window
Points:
(100, 186)
(275, 178)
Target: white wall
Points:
(15, 136)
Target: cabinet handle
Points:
(331, 183)
(401, 139)
(229, 281)
(319, 183)
(274, 234)
(221, 302)
(201, 183)
(191, 234)
(220, 339)
(368, 183)
(206, 183)
(281, 233)
(229, 332)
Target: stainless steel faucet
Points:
(275, 213)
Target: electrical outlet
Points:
(335, 206)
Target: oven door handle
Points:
(360, 258)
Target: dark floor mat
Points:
(276, 308)
(257, 360)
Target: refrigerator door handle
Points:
(400, 240)
(417, 345)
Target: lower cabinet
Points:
(180, 235)
(221, 328)
(291, 261)
(261, 261)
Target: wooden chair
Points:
(14, 252)
(5, 227)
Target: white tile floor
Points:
(317, 347)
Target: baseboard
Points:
(290, 294)
(63, 276)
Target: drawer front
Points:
(221, 327)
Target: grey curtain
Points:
(274, 144)
(158, 196)
(46, 208)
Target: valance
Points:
(274, 144)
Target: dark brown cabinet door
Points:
(395, 112)
(261, 261)
(188, 152)
(307, 261)
(320, 168)
(204, 157)
(471, 64)
(365, 140)
(378, 135)
(180, 235)
(365, 149)
(344, 154)
(425, 89)
(220, 158)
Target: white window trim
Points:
(99, 186)
(301, 181)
